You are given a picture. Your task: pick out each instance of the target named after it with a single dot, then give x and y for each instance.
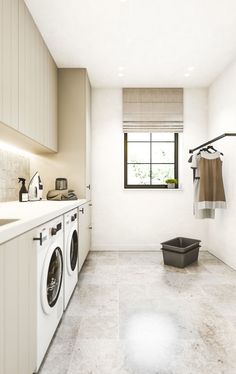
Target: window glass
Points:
(162, 172)
(163, 152)
(150, 159)
(138, 136)
(138, 174)
(139, 152)
(54, 277)
(163, 136)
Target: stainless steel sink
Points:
(6, 221)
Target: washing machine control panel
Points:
(73, 217)
(54, 230)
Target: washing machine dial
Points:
(53, 231)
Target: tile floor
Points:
(130, 314)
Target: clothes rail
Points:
(212, 141)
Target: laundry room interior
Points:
(117, 212)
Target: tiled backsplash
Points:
(12, 166)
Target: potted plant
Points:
(171, 182)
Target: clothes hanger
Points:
(213, 149)
(202, 149)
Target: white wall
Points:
(140, 219)
(222, 118)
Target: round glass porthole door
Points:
(72, 252)
(54, 277)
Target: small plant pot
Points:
(170, 185)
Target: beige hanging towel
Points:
(199, 213)
(211, 187)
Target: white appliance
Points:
(70, 254)
(49, 284)
(35, 188)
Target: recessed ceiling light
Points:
(121, 68)
(120, 74)
(187, 75)
(191, 68)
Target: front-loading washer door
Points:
(72, 252)
(51, 278)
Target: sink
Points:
(6, 221)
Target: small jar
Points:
(61, 184)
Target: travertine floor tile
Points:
(130, 314)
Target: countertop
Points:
(31, 215)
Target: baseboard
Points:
(125, 248)
(131, 248)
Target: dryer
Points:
(49, 284)
(71, 250)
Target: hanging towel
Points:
(211, 188)
(199, 213)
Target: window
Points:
(150, 159)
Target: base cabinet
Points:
(17, 305)
(84, 232)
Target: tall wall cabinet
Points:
(28, 76)
(74, 101)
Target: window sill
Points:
(153, 189)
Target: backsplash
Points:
(12, 166)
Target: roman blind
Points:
(152, 110)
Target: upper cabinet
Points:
(28, 90)
(9, 59)
(37, 84)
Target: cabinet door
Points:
(18, 305)
(37, 84)
(9, 48)
(51, 131)
(84, 233)
(31, 84)
(88, 139)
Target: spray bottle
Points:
(23, 193)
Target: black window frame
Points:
(151, 186)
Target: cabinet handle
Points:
(88, 187)
(40, 239)
(82, 210)
(90, 227)
(90, 204)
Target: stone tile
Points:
(96, 356)
(150, 259)
(138, 275)
(93, 300)
(99, 327)
(104, 258)
(132, 315)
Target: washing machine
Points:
(50, 288)
(70, 254)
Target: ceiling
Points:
(140, 43)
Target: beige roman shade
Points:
(152, 110)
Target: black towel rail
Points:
(212, 141)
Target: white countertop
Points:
(31, 215)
